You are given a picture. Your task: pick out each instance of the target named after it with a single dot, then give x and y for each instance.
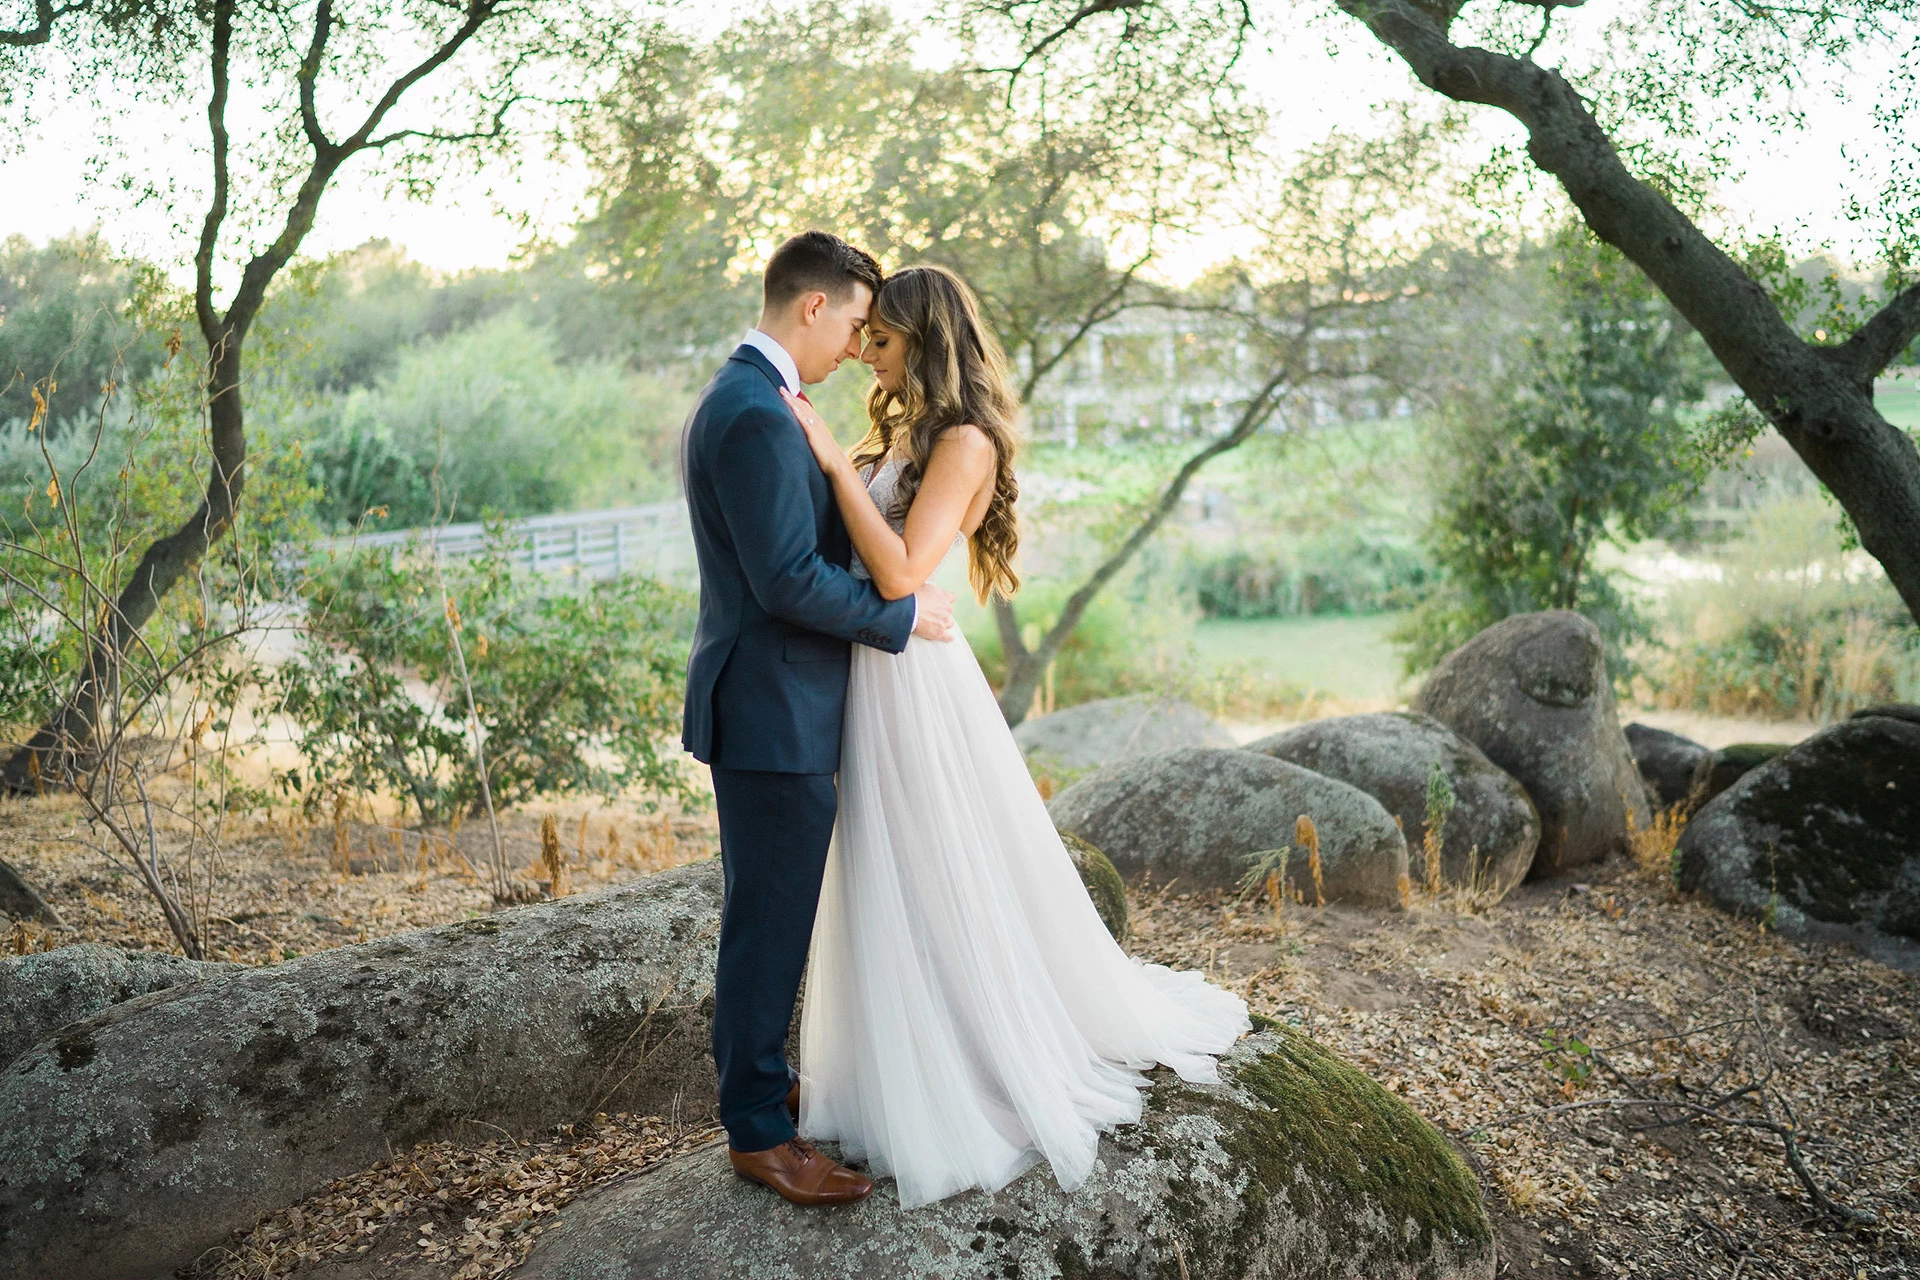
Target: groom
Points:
(767, 682)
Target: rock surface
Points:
(1732, 763)
(1532, 692)
(1824, 840)
(1295, 1166)
(1490, 835)
(1673, 767)
(43, 992)
(1200, 816)
(1908, 711)
(141, 1136)
(1104, 885)
(1097, 733)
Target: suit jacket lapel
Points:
(749, 355)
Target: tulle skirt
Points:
(966, 1013)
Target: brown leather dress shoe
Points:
(801, 1174)
(793, 1101)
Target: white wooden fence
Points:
(654, 540)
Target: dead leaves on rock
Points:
(1485, 1019)
(473, 1210)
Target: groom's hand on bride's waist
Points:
(933, 613)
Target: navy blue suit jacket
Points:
(767, 679)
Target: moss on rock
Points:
(1295, 1165)
(1331, 1144)
(1104, 885)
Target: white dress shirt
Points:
(782, 361)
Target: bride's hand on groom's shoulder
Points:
(826, 450)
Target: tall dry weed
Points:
(553, 859)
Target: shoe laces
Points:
(802, 1148)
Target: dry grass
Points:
(280, 888)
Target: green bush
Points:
(1352, 571)
(1587, 441)
(576, 691)
(488, 419)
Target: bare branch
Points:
(495, 130)
(1091, 9)
(479, 12)
(261, 271)
(1105, 307)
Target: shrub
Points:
(575, 690)
(1791, 623)
(488, 419)
(1820, 667)
(1364, 570)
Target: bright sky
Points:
(1332, 77)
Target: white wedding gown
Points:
(966, 1011)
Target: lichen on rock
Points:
(1819, 841)
(43, 992)
(140, 1136)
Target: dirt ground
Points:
(1509, 1026)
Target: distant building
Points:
(1161, 374)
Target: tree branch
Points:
(1091, 9)
(217, 206)
(44, 15)
(479, 12)
(1879, 342)
(1729, 309)
(261, 271)
(1104, 308)
(309, 73)
(496, 128)
(1819, 398)
(1014, 696)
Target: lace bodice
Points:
(882, 482)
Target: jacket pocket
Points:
(814, 649)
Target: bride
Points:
(967, 1014)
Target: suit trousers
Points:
(774, 833)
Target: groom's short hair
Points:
(817, 260)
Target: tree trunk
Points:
(1820, 398)
(58, 748)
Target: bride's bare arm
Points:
(961, 464)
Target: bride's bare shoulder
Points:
(966, 441)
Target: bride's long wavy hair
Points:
(954, 372)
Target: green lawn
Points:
(1346, 657)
